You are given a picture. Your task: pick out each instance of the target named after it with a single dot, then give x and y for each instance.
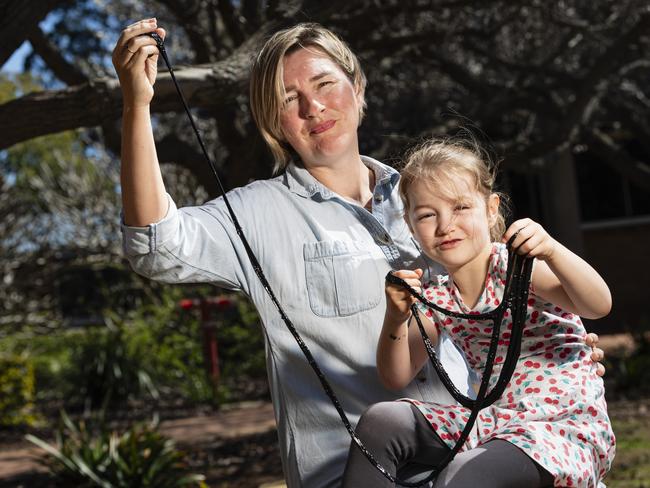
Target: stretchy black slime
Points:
(515, 299)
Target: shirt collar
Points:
(301, 182)
(384, 175)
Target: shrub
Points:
(173, 344)
(139, 457)
(241, 344)
(173, 339)
(158, 343)
(632, 372)
(16, 391)
(105, 372)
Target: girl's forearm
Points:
(394, 356)
(582, 284)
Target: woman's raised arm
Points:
(135, 58)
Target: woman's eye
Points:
(325, 83)
(290, 99)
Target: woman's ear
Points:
(360, 94)
(493, 203)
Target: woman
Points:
(326, 231)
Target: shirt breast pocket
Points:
(342, 278)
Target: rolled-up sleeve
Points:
(189, 245)
(142, 240)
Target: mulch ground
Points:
(234, 448)
(237, 447)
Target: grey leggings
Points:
(402, 440)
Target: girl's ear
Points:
(493, 208)
(408, 222)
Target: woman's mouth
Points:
(320, 128)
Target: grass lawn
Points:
(631, 422)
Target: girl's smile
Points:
(449, 244)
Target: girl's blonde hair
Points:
(441, 162)
(267, 92)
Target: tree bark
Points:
(100, 100)
(62, 69)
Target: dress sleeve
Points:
(189, 245)
(497, 273)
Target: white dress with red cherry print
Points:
(554, 407)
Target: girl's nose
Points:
(445, 223)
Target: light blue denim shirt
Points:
(326, 259)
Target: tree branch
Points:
(230, 17)
(618, 158)
(17, 18)
(192, 18)
(587, 94)
(252, 12)
(99, 101)
(62, 69)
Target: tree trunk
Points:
(560, 204)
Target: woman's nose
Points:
(311, 107)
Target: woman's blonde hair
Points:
(267, 92)
(441, 162)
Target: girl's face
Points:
(453, 228)
(320, 116)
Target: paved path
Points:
(229, 423)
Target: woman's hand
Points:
(398, 298)
(135, 58)
(531, 239)
(597, 354)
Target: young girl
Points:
(550, 427)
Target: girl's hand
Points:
(531, 239)
(135, 58)
(398, 299)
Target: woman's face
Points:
(320, 115)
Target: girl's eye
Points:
(425, 216)
(462, 206)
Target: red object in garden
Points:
(209, 307)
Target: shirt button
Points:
(379, 198)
